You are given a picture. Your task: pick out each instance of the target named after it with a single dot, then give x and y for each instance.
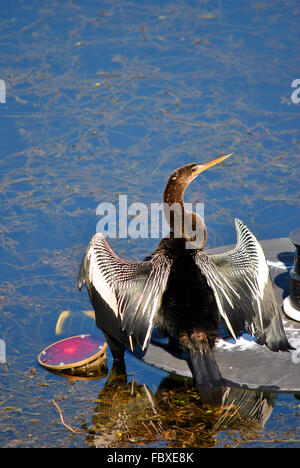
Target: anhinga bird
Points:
(185, 292)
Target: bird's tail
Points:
(207, 376)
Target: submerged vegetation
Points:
(108, 100)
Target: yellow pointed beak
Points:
(203, 167)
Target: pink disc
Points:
(72, 352)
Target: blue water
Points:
(106, 98)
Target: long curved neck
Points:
(183, 223)
(174, 191)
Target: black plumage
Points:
(184, 291)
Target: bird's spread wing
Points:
(243, 289)
(132, 290)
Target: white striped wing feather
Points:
(132, 290)
(243, 289)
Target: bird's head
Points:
(192, 170)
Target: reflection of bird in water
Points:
(182, 289)
(238, 408)
(129, 413)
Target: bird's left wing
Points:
(132, 290)
(243, 289)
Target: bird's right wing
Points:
(243, 289)
(132, 290)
